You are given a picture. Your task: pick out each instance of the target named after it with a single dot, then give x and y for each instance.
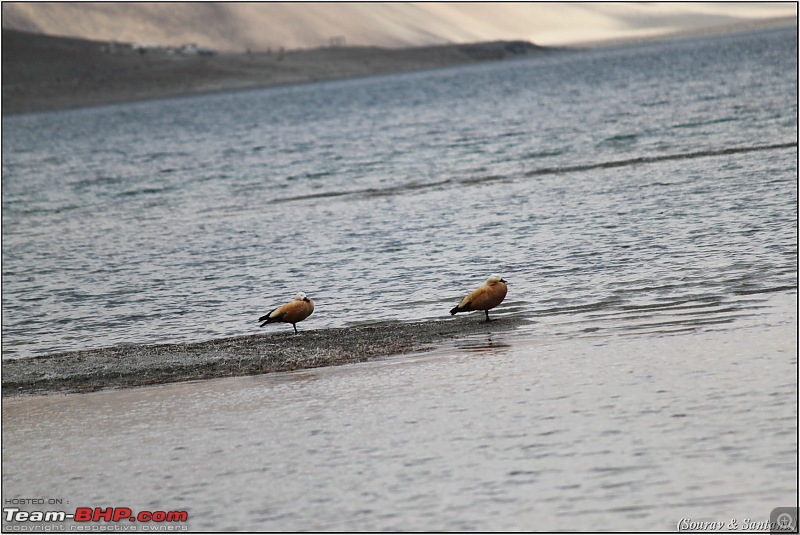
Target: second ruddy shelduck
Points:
(484, 298)
(292, 312)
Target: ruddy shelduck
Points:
(292, 312)
(484, 298)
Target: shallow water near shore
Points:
(498, 431)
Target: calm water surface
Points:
(499, 432)
(641, 201)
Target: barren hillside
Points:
(260, 26)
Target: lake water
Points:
(641, 201)
(388, 198)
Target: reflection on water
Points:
(482, 344)
(500, 432)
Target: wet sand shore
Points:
(122, 367)
(43, 73)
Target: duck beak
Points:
(504, 281)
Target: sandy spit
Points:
(130, 366)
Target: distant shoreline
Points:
(274, 351)
(42, 73)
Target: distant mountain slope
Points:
(259, 26)
(42, 72)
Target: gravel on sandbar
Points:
(138, 365)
